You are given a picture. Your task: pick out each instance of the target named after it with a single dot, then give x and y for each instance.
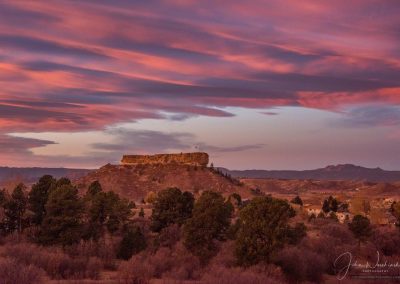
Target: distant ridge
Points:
(30, 175)
(332, 172)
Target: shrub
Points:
(104, 249)
(301, 264)
(54, 262)
(387, 240)
(14, 272)
(237, 275)
(132, 243)
(169, 236)
(176, 263)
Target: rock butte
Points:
(193, 159)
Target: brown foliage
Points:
(54, 261)
(176, 263)
(14, 272)
(237, 275)
(104, 249)
(301, 264)
(387, 240)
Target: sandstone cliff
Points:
(136, 181)
(193, 159)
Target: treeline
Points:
(53, 213)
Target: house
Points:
(343, 216)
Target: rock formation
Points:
(192, 159)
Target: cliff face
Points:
(192, 159)
(136, 181)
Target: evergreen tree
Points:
(334, 205)
(325, 206)
(297, 200)
(263, 230)
(141, 213)
(209, 222)
(38, 197)
(360, 226)
(63, 221)
(133, 242)
(94, 188)
(15, 210)
(106, 210)
(171, 206)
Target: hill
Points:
(135, 181)
(11, 176)
(338, 172)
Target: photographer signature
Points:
(345, 261)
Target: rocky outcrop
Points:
(136, 181)
(192, 159)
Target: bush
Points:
(103, 249)
(132, 243)
(301, 264)
(169, 236)
(14, 272)
(387, 240)
(54, 262)
(237, 275)
(176, 263)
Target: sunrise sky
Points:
(273, 84)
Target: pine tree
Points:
(38, 197)
(133, 241)
(15, 209)
(63, 221)
(325, 206)
(209, 222)
(264, 229)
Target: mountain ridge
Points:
(331, 172)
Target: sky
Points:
(272, 84)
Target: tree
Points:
(209, 222)
(133, 241)
(15, 209)
(325, 206)
(330, 204)
(297, 200)
(94, 188)
(237, 198)
(334, 205)
(333, 216)
(3, 197)
(38, 197)
(63, 181)
(360, 226)
(171, 206)
(63, 221)
(395, 209)
(141, 213)
(107, 210)
(264, 228)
